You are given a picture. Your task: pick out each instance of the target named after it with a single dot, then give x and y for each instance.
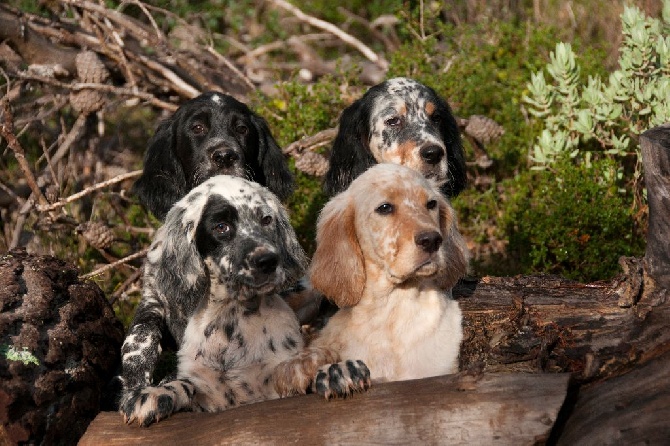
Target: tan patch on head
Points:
(430, 108)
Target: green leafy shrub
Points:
(582, 212)
(572, 221)
(603, 119)
(296, 111)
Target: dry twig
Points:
(326, 26)
(89, 190)
(122, 261)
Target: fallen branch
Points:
(7, 132)
(326, 26)
(119, 91)
(89, 190)
(122, 261)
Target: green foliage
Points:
(12, 354)
(483, 69)
(603, 119)
(299, 110)
(571, 221)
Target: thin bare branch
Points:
(231, 66)
(77, 86)
(310, 142)
(113, 265)
(326, 26)
(89, 190)
(7, 132)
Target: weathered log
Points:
(510, 409)
(634, 408)
(655, 145)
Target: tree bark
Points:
(456, 409)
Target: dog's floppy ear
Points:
(179, 271)
(350, 155)
(294, 259)
(455, 155)
(338, 269)
(162, 182)
(276, 175)
(454, 249)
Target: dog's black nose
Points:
(225, 158)
(429, 241)
(432, 154)
(265, 262)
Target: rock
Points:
(60, 343)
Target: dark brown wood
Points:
(514, 409)
(655, 145)
(548, 324)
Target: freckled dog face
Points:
(405, 128)
(240, 243)
(398, 225)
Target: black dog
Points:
(398, 121)
(210, 135)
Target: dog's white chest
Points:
(408, 337)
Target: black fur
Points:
(209, 135)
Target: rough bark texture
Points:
(655, 144)
(72, 331)
(513, 409)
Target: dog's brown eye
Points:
(198, 129)
(242, 129)
(431, 204)
(436, 118)
(266, 220)
(222, 228)
(384, 209)
(392, 122)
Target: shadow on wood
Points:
(511, 409)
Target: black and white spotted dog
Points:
(211, 280)
(212, 134)
(399, 121)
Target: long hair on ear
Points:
(179, 271)
(350, 155)
(338, 266)
(162, 182)
(454, 249)
(455, 155)
(274, 168)
(294, 260)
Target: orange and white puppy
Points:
(388, 254)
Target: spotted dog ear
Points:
(454, 249)
(451, 136)
(294, 260)
(178, 268)
(350, 155)
(162, 182)
(275, 173)
(338, 268)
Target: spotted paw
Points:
(341, 379)
(147, 405)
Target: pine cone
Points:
(483, 129)
(90, 69)
(312, 163)
(96, 234)
(51, 193)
